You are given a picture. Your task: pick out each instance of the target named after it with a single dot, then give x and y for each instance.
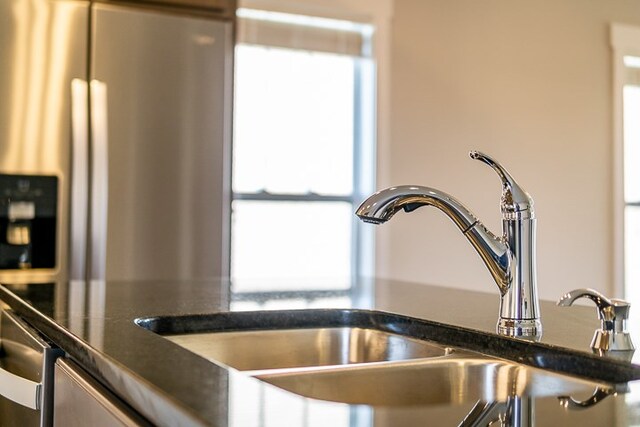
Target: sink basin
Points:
(385, 359)
(291, 348)
(448, 380)
(454, 379)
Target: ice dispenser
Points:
(28, 210)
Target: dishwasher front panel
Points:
(80, 400)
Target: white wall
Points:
(529, 83)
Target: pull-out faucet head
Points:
(381, 206)
(509, 258)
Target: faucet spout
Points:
(381, 206)
(510, 258)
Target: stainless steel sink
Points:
(384, 359)
(291, 348)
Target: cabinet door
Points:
(79, 400)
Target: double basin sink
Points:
(383, 359)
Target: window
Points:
(631, 147)
(625, 41)
(302, 154)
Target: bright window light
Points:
(290, 245)
(294, 122)
(303, 138)
(631, 61)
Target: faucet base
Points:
(523, 328)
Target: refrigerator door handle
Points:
(20, 390)
(99, 180)
(80, 178)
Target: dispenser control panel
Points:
(28, 211)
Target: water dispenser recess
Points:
(28, 210)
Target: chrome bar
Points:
(79, 179)
(99, 180)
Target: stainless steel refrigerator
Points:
(115, 126)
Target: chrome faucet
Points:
(511, 259)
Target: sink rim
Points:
(535, 354)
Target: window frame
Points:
(625, 41)
(362, 247)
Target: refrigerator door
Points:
(160, 103)
(44, 47)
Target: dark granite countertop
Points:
(95, 324)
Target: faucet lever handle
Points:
(515, 203)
